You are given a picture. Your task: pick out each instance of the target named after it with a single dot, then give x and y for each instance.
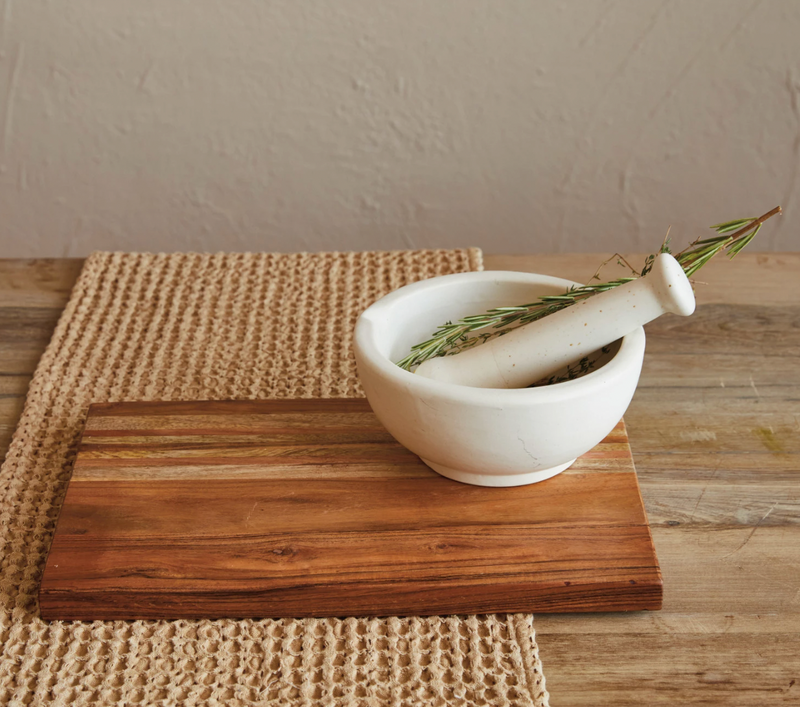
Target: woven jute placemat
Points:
(227, 326)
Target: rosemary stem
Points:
(757, 222)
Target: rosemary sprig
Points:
(451, 338)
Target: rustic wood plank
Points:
(728, 504)
(240, 524)
(669, 622)
(688, 668)
(38, 283)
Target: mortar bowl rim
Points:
(629, 355)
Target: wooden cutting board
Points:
(293, 508)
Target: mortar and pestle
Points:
(469, 416)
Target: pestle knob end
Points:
(674, 289)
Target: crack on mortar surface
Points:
(527, 451)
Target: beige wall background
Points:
(514, 125)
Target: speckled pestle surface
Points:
(225, 326)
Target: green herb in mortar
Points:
(451, 338)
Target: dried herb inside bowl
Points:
(452, 338)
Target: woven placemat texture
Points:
(226, 326)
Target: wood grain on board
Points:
(310, 508)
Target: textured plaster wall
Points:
(518, 126)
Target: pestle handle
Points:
(540, 348)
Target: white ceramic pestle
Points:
(540, 348)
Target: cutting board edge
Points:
(644, 596)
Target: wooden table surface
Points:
(715, 432)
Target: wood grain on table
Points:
(715, 432)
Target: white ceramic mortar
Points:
(485, 436)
